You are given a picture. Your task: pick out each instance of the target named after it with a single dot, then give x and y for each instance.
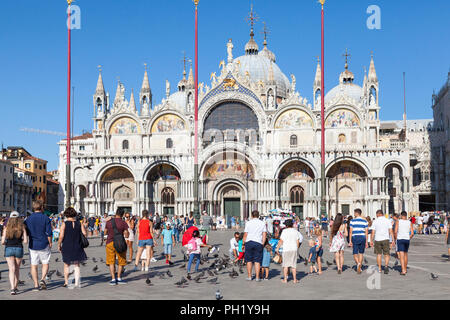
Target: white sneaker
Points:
(153, 260)
(146, 269)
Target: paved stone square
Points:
(427, 254)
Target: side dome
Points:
(179, 99)
(348, 89)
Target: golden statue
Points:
(230, 84)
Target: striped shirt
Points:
(359, 226)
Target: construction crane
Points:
(49, 132)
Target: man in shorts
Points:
(359, 229)
(91, 225)
(111, 253)
(39, 230)
(255, 234)
(103, 221)
(382, 232)
(324, 222)
(206, 222)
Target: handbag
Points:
(118, 241)
(278, 259)
(84, 242)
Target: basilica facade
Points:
(259, 146)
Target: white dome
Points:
(259, 68)
(348, 89)
(179, 99)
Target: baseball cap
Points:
(14, 214)
(111, 213)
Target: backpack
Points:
(119, 241)
(192, 245)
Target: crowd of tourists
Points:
(262, 242)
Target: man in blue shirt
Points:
(324, 222)
(359, 229)
(39, 230)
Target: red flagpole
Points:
(69, 66)
(322, 92)
(196, 173)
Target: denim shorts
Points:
(16, 252)
(359, 244)
(403, 245)
(168, 248)
(145, 243)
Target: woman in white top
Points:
(404, 231)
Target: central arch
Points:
(117, 189)
(346, 185)
(230, 198)
(161, 188)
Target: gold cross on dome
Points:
(265, 31)
(253, 17)
(184, 61)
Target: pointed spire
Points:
(252, 47)
(100, 90)
(365, 80)
(117, 98)
(191, 78)
(372, 71)
(132, 105)
(145, 82)
(318, 78)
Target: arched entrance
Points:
(395, 187)
(297, 197)
(168, 202)
(227, 177)
(347, 186)
(230, 198)
(294, 179)
(162, 188)
(117, 190)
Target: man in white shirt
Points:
(255, 234)
(382, 232)
(234, 246)
(420, 223)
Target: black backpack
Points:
(119, 241)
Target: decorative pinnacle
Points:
(252, 18)
(99, 68)
(322, 2)
(69, 2)
(265, 32)
(196, 3)
(346, 55)
(145, 66)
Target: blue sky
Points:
(123, 35)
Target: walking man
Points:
(358, 238)
(255, 234)
(404, 232)
(116, 225)
(39, 230)
(206, 223)
(382, 232)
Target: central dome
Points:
(260, 68)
